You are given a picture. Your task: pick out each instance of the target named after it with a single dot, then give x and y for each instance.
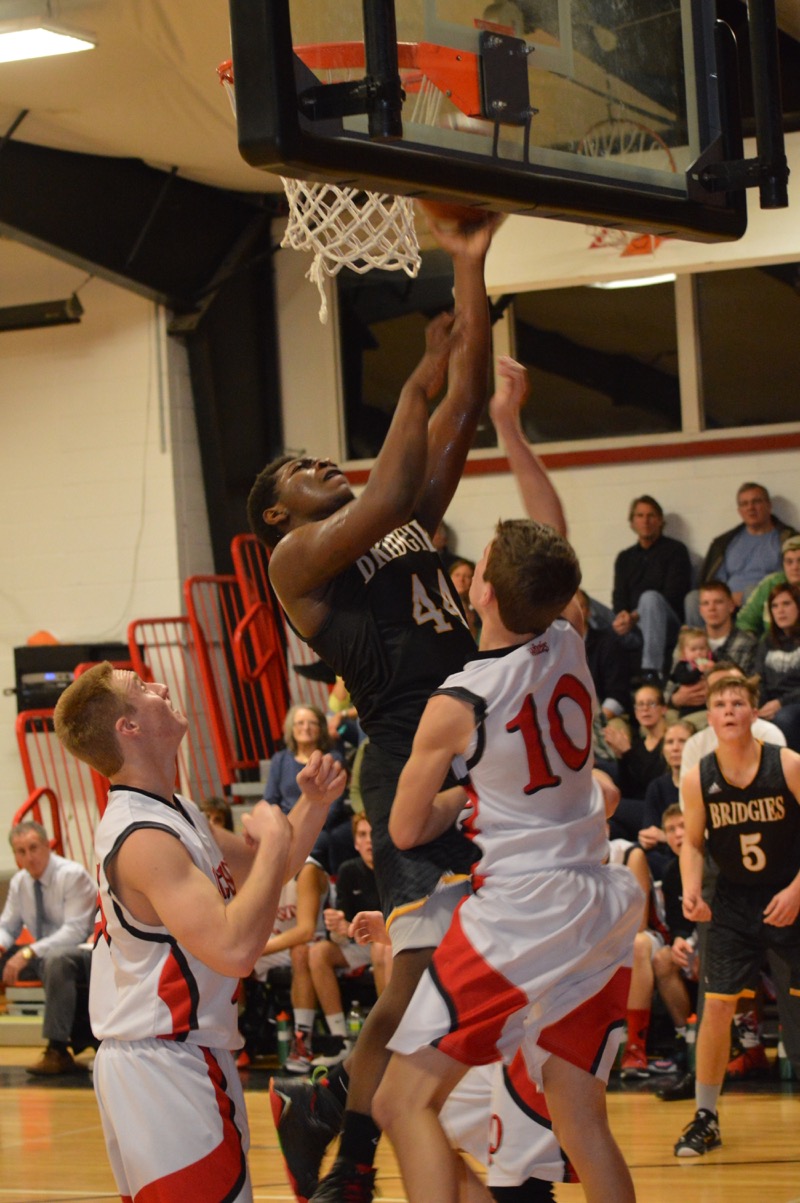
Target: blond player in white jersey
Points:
(538, 958)
(184, 913)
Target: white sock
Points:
(304, 1018)
(336, 1024)
(706, 1097)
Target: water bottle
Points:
(283, 1023)
(355, 1022)
(785, 1071)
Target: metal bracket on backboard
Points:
(505, 96)
(380, 94)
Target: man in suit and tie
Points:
(55, 900)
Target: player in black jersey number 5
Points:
(743, 803)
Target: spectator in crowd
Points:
(606, 659)
(651, 579)
(55, 899)
(634, 1062)
(640, 758)
(257, 1011)
(692, 658)
(654, 965)
(726, 641)
(356, 891)
(461, 573)
(743, 555)
(218, 812)
(313, 887)
(608, 666)
(305, 730)
(662, 792)
(727, 644)
(676, 965)
(754, 614)
(778, 664)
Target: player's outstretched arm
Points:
(321, 782)
(313, 553)
(693, 848)
(420, 812)
(455, 420)
(158, 882)
(539, 497)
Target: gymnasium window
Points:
(603, 362)
(749, 336)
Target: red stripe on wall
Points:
(592, 456)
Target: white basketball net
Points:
(344, 227)
(347, 227)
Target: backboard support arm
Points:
(769, 170)
(379, 95)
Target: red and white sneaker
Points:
(749, 1063)
(299, 1059)
(634, 1062)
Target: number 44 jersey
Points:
(534, 804)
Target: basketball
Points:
(450, 215)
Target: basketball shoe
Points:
(299, 1059)
(700, 1136)
(634, 1062)
(346, 1182)
(307, 1116)
(749, 1062)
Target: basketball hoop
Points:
(343, 227)
(618, 136)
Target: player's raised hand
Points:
(368, 927)
(461, 229)
(323, 779)
(266, 824)
(511, 391)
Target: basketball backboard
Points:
(603, 111)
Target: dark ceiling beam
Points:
(162, 236)
(622, 378)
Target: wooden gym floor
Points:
(52, 1147)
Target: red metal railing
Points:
(165, 650)
(75, 794)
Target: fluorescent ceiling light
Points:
(636, 281)
(27, 30)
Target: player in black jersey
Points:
(360, 581)
(743, 802)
